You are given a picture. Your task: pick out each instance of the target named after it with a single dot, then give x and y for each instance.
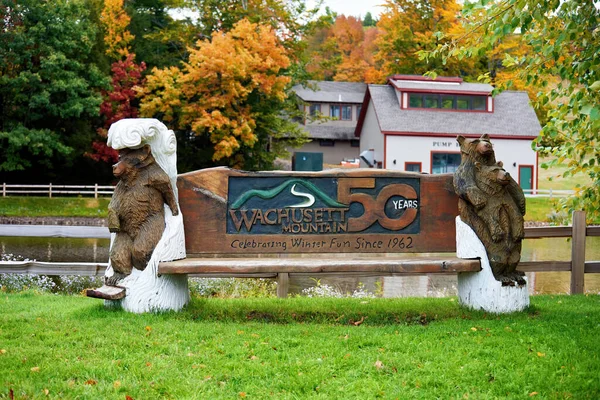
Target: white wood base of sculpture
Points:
(480, 290)
(148, 292)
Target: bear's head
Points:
(478, 149)
(131, 160)
(492, 176)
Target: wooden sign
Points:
(337, 211)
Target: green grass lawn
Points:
(71, 347)
(53, 207)
(551, 178)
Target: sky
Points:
(355, 7)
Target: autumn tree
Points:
(49, 89)
(230, 94)
(120, 101)
(341, 51)
(563, 40)
(409, 26)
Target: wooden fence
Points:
(53, 190)
(578, 267)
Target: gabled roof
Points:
(331, 92)
(512, 116)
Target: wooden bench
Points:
(344, 222)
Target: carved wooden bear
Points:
(136, 210)
(493, 204)
(500, 212)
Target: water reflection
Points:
(558, 249)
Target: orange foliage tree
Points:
(341, 51)
(115, 22)
(409, 26)
(231, 92)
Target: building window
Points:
(334, 111)
(442, 163)
(447, 101)
(315, 109)
(412, 167)
(326, 142)
(355, 143)
(347, 113)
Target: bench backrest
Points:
(231, 212)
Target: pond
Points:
(556, 249)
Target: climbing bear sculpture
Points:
(493, 205)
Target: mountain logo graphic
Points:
(309, 199)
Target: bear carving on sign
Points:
(493, 205)
(136, 210)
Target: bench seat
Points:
(323, 264)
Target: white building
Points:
(411, 124)
(340, 103)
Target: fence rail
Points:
(551, 193)
(578, 267)
(51, 190)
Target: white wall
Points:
(403, 149)
(371, 137)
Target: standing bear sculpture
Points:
(136, 211)
(144, 220)
(493, 205)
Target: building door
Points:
(526, 177)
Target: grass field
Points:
(53, 207)
(71, 347)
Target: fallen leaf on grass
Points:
(533, 394)
(474, 329)
(91, 382)
(117, 384)
(3, 351)
(35, 369)
(242, 394)
(378, 364)
(360, 321)
(254, 358)
(128, 398)
(148, 328)
(539, 354)
(46, 392)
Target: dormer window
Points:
(447, 101)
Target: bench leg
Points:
(283, 284)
